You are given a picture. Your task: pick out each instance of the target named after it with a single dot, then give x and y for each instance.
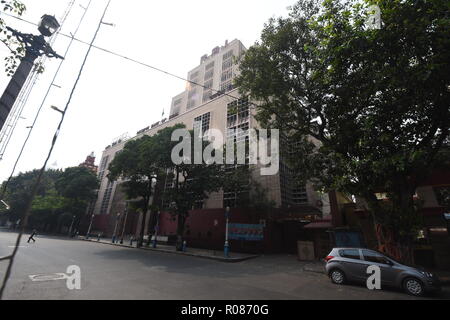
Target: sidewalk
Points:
(319, 267)
(193, 252)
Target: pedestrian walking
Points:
(33, 234)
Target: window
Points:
(209, 84)
(227, 75)
(210, 65)
(103, 168)
(192, 93)
(227, 64)
(207, 96)
(178, 102)
(350, 254)
(194, 75)
(226, 86)
(203, 123)
(209, 74)
(228, 55)
(107, 198)
(374, 257)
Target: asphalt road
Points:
(109, 272)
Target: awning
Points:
(319, 225)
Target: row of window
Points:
(203, 123)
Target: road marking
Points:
(18, 247)
(48, 277)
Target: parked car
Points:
(351, 264)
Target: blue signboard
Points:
(248, 232)
(348, 239)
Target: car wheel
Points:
(413, 287)
(337, 276)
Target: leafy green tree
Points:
(366, 109)
(17, 49)
(46, 210)
(150, 158)
(78, 186)
(136, 168)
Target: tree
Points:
(367, 110)
(17, 49)
(150, 158)
(59, 193)
(192, 183)
(136, 167)
(78, 186)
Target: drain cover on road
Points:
(48, 277)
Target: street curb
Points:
(226, 260)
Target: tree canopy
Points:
(365, 109)
(150, 158)
(59, 193)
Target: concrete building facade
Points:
(215, 104)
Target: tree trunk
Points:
(180, 231)
(140, 241)
(395, 224)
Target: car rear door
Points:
(353, 264)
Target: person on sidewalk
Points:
(33, 234)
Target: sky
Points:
(115, 96)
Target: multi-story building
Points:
(211, 102)
(89, 163)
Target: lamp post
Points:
(35, 47)
(115, 229)
(5, 204)
(227, 245)
(125, 222)
(71, 225)
(156, 230)
(90, 227)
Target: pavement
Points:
(119, 273)
(193, 252)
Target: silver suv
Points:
(351, 264)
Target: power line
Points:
(18, 108)
(139, 62)
(5, 186)
(11, 258)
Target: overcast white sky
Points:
(116, 96)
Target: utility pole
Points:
(36, 46)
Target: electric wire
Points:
(5, 185)
(37, 182)
(141, 63)
(19, 106)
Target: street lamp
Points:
(115, 228)
(35, 47)
(71, 225)
(5, 204)
(227, 245)
(90, 227)
(125, 222)
(156, 230)
(48, 25)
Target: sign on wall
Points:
(248, 232)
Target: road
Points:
(109, 272)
